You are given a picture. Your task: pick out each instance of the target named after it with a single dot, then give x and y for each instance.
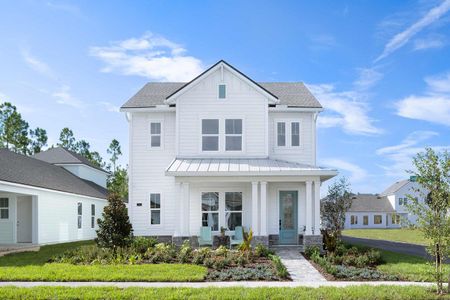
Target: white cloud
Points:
(356, 173)
(344, 109)
(150, 56)
(37, 64)
(63, 96)
(430, 42)
(367, 78)
(108, 106)
(400, 39)
(400, 156)
(433, 106)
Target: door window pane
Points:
(295, 134)
(281, 134)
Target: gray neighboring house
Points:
(55, 196)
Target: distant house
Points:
(385, 210)
(55, 196)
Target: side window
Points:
(92, 215)
(80, 214)
(377, 219)
(155, 134)
(295, 134)
(281, 134)
(155, 209)
(4, 208)
(365, 220)
(222, 91)
(233, 135)
(353, 220)
(210, 135)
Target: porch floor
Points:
(16, 248)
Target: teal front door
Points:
(288, 218)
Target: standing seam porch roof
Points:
(239, 166)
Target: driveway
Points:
(404, 248)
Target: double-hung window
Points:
(353, 220)
(210, 135)
(288, 134)
(155, 209)
(4, 208)
(365, 220)
(210, 210)
(233, 209)
(155, 134)
(377, 219)
(233, 135)
(92, 215)
(80, 214)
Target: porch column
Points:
(255, 226)
(178, 210)
(184, 207)
(316, 207)
(263, 195)
(309, 211)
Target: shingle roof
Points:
(370, 203)
(26, 170)
(394, 188)
(289, 93)
(60, 155)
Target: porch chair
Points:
(238, 236)
(205, 237)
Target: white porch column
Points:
(184, 208)
(316, 207)
(178, 209)
(263, 195)
(255, 226)
(309, 211)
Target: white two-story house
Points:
(223, 151)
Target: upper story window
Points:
(80, 214)
(222, 91)
(233, 135)
(4, 208)
(210, 135)
(155, 209)
(288, 134)
(155, 134)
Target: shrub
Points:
(261, 272)
(141, 244)
(199, 255)
(185, 252)
(241, 259)
(262, 251)
(115, 229)
(221, 251)
(281, 269)
(353, 273)
(246, 245)
(161, 253)
(312, 250)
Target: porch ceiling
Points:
(198, 167)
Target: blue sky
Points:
(380, 68)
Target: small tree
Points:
(433, 215)
(115, 151)
(333, 209)
(115, 229)
(118, 182)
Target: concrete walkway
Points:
(16, 248)
(247, 284)
(298, 267)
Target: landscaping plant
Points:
(246, 245)
(433, 216)
(115, 229)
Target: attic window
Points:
(222, 91)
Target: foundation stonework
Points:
(313, 240)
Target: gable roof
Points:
(62, 156)
(293, 94)
(394, 188)
(221, 64)
(370, 203)
(21, 169)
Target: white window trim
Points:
(78, 216)
(7, 208)
(288, 126)
(221, 151)
(161, 145)
(226, 92)
(221, 211)
(161, 208)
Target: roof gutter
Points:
(286, 108)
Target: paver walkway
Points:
(298, 267)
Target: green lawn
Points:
(355, 292)
(33, 266)
(407, 267)
(404, 235)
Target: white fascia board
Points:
(324, 173)
(155, 108)
(24, 186)
(285, 108)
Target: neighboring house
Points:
(55, 196)
(224, 151)
(385, 210)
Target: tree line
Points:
(16, 135)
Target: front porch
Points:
(280, 205)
